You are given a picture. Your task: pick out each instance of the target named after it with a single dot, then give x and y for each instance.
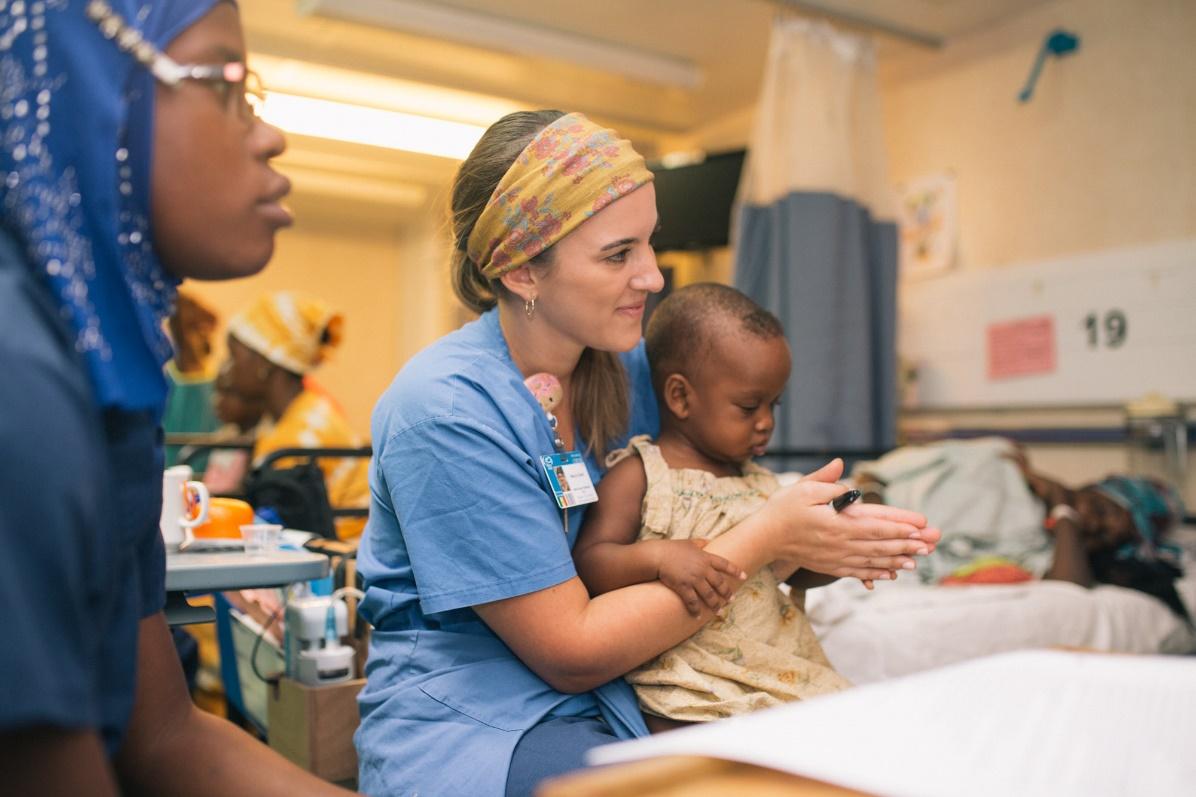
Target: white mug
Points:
(179, 496)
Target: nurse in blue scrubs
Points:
(490, 666)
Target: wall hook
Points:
(1058, 43)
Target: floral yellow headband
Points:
(571, 170)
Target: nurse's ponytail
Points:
(601, 403)
(473, 186)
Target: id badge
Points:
(569, 479)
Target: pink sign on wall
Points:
(1021, 348)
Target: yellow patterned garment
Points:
(292, 330)
(313, 421)
(760, 651)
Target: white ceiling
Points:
(700, 29)
(725, 39)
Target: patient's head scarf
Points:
(1150, 564)
(1153, 506)
(571, 170)
(76, 129)
(291, 330)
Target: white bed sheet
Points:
(905, 627)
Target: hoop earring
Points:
(529, 308)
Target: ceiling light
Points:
(377, 127)
(290, 76)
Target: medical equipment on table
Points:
(315, 625)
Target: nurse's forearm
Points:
(627, 627)
(576, 643)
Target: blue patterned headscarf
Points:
(1149, 564)
(1154, 507)
(76, 135)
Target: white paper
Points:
(1027, 723)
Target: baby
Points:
(719, 364)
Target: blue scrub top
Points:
(461, 513)
(80, 498)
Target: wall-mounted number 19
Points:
(1115, 328)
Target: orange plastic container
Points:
(225, 518)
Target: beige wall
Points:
(387, 278)
(1103, 155)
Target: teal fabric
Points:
(189, 410)
(1155, 508)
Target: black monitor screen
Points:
(695, 202)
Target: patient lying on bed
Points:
(1002, 522)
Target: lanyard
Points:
(566, 471)
(559, 445)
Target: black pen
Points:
(843, 501)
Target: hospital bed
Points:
(905, 627)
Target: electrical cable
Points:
(257, 643)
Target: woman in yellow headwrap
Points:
(272, 345)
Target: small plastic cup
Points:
(261, 538)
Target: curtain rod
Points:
(920, 38)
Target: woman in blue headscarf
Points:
(1116, 531)
(130, 158)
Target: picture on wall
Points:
(928, 221)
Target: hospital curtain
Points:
(815, 242)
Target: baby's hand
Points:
(870, 584)
(698, 577)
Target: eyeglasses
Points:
(239, 87)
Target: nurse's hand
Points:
(865, 541)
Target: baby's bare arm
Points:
(607, 555)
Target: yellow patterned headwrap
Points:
(291, 330)
(571, 170)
